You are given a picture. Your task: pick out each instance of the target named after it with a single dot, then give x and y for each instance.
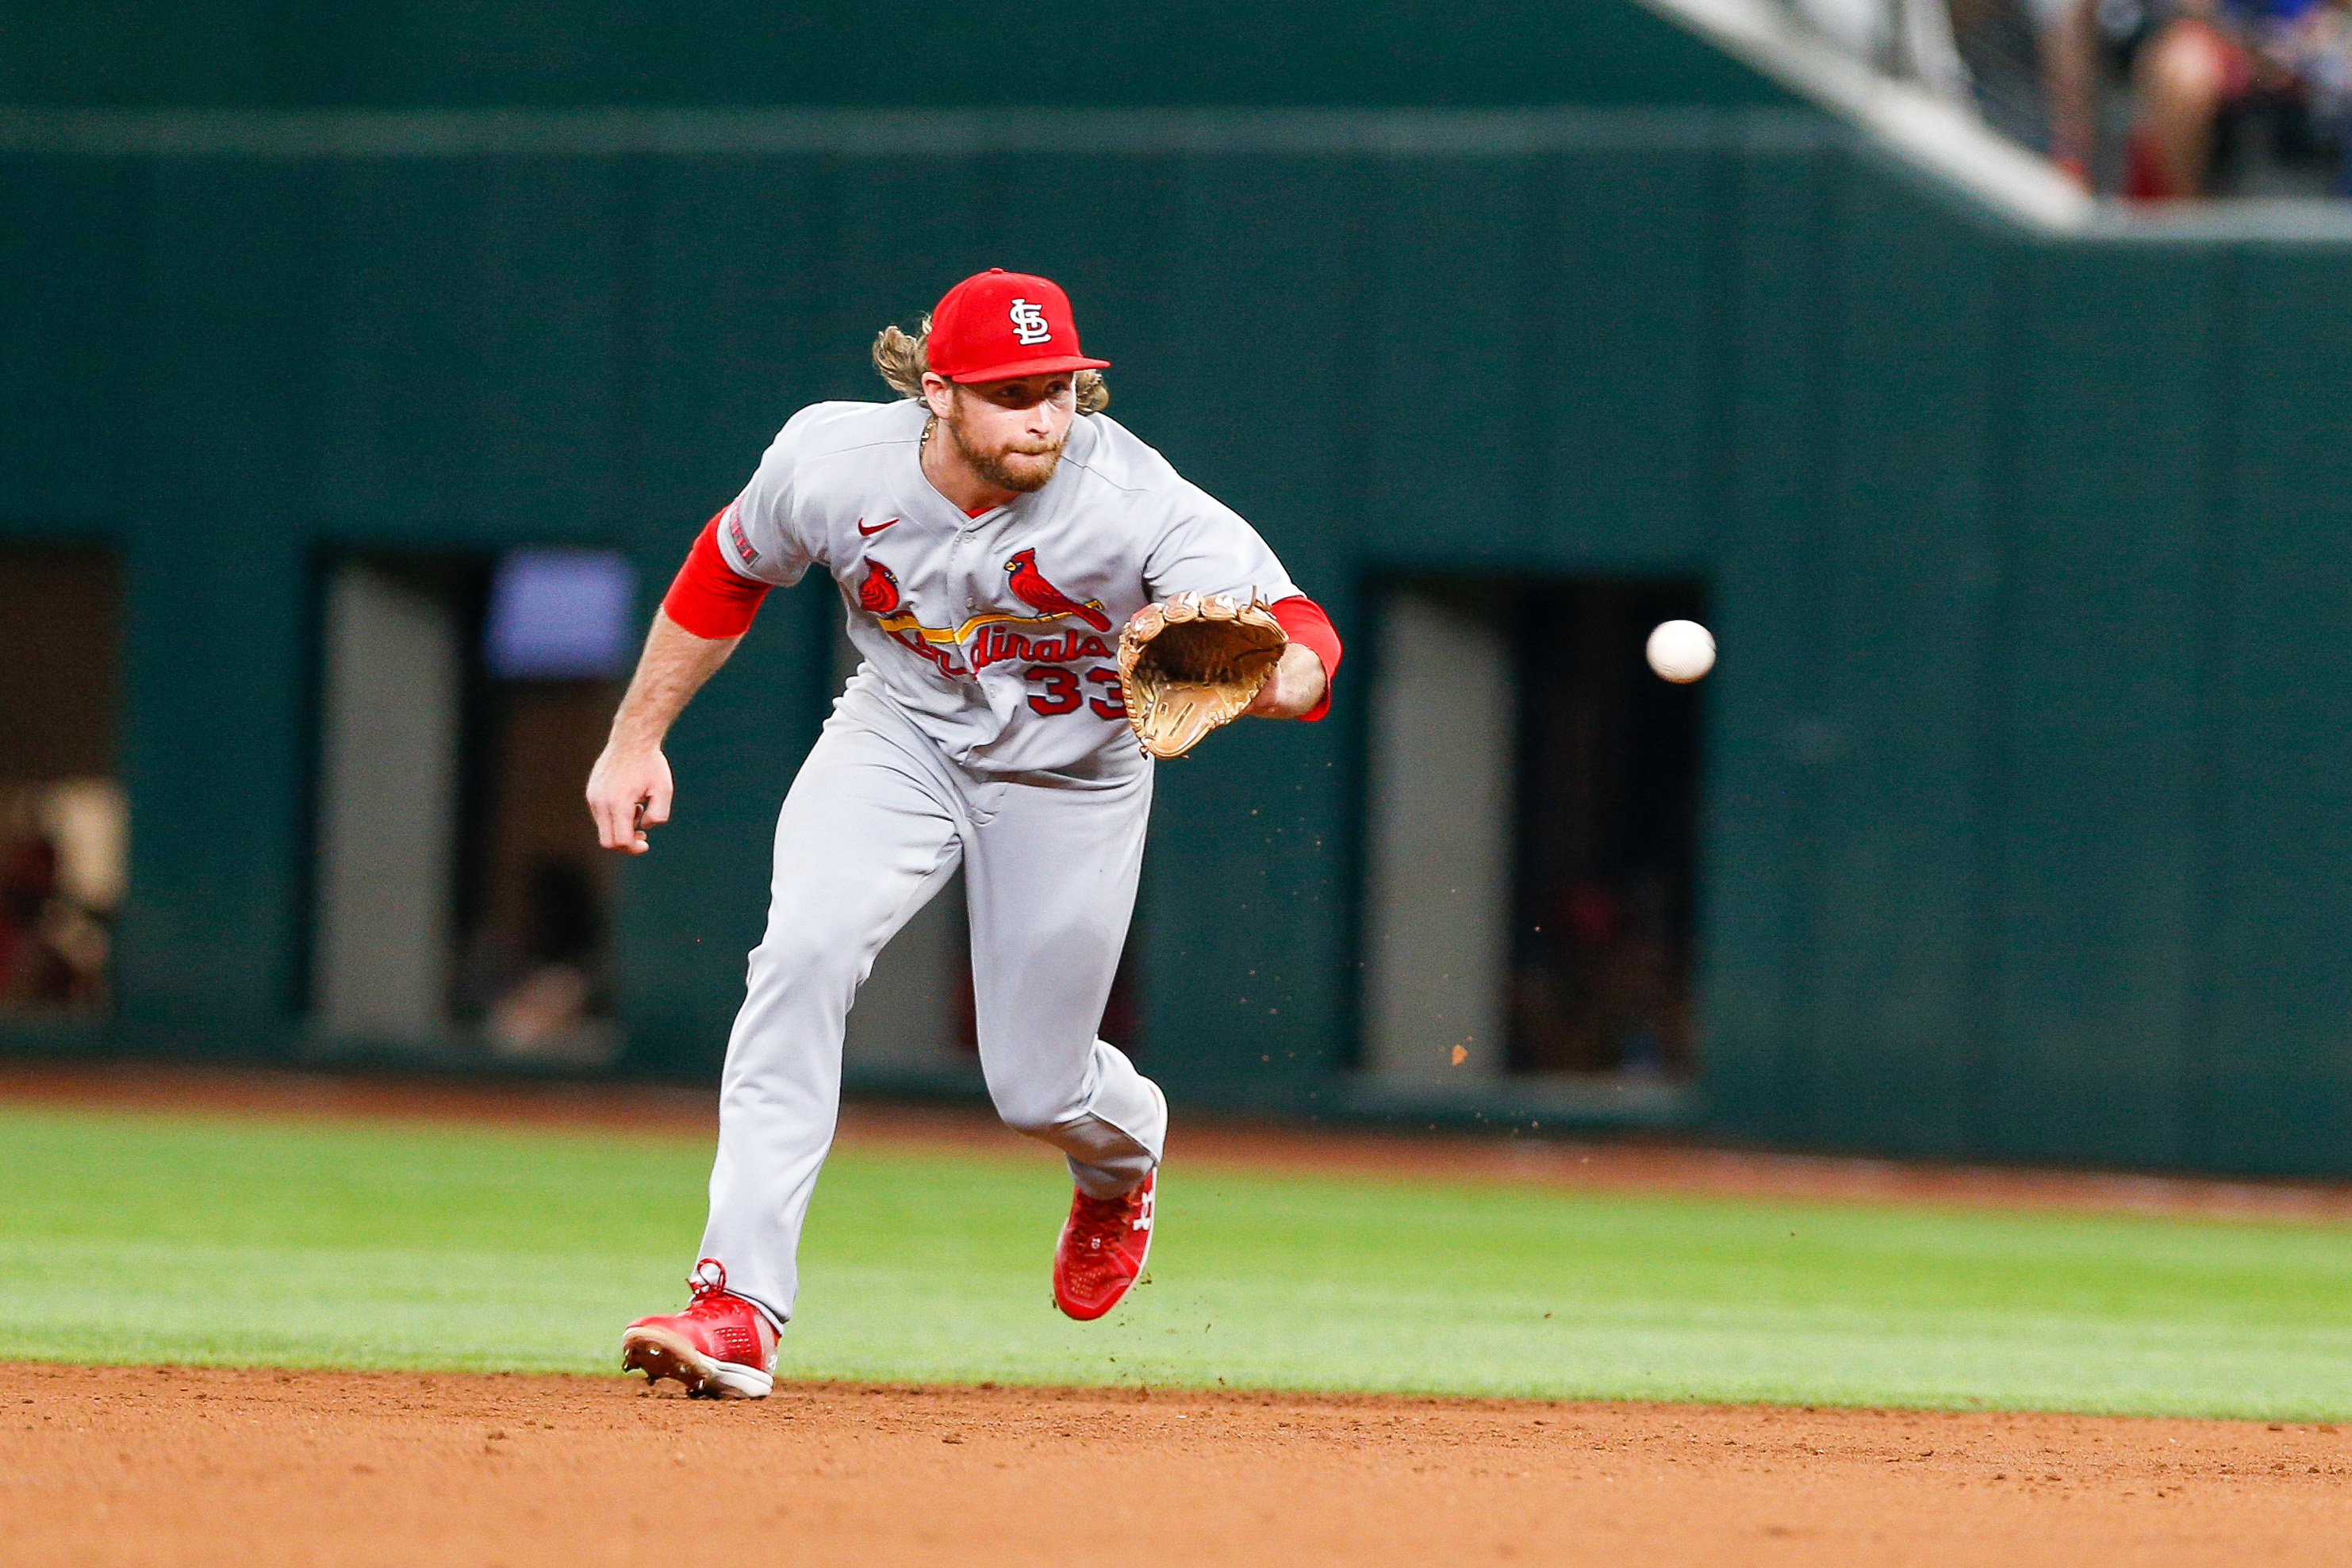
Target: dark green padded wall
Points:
(2105, 632)
(1767, 737)
(2276, 1075)
(878, 54)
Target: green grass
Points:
(133, 1238)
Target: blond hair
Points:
(902, 362)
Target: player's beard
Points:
(1019, 467)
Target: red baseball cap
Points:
(996, 324)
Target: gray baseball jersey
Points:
(996, 635)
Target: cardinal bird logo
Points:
(1030, 587)
(879, 591)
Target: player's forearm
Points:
(673, 667)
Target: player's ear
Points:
(939, 393)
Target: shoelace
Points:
(735, 1328)
(708, 1283)
(1112, 1211)
(1106, 1218)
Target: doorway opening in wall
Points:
(1531, 838)
(63, 823)
(1605, 832)
(461, 906)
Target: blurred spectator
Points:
(2158, 98)
(52, 953)
(2067, 40)
(547, 1010)
(1598, 987)
(2223, 68)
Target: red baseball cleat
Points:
(721, 1345)
(1102, 1250)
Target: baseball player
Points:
(989, 532)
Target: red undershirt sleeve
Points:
(1304, 620)
(709, 598)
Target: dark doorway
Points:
(64, 823)
(1605, 830)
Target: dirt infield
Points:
(178, 1468)
(257, 1469)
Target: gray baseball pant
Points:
(876, 822)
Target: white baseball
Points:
(1680, 650)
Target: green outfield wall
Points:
(871, 54)
(2029, 780)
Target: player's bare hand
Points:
(628, 791)
(1295, 686)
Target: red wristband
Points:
(1304, 620)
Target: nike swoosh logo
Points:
(875, 528)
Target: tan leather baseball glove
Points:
(1192, 662)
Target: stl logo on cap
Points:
(1029, 323)
(996, 326)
